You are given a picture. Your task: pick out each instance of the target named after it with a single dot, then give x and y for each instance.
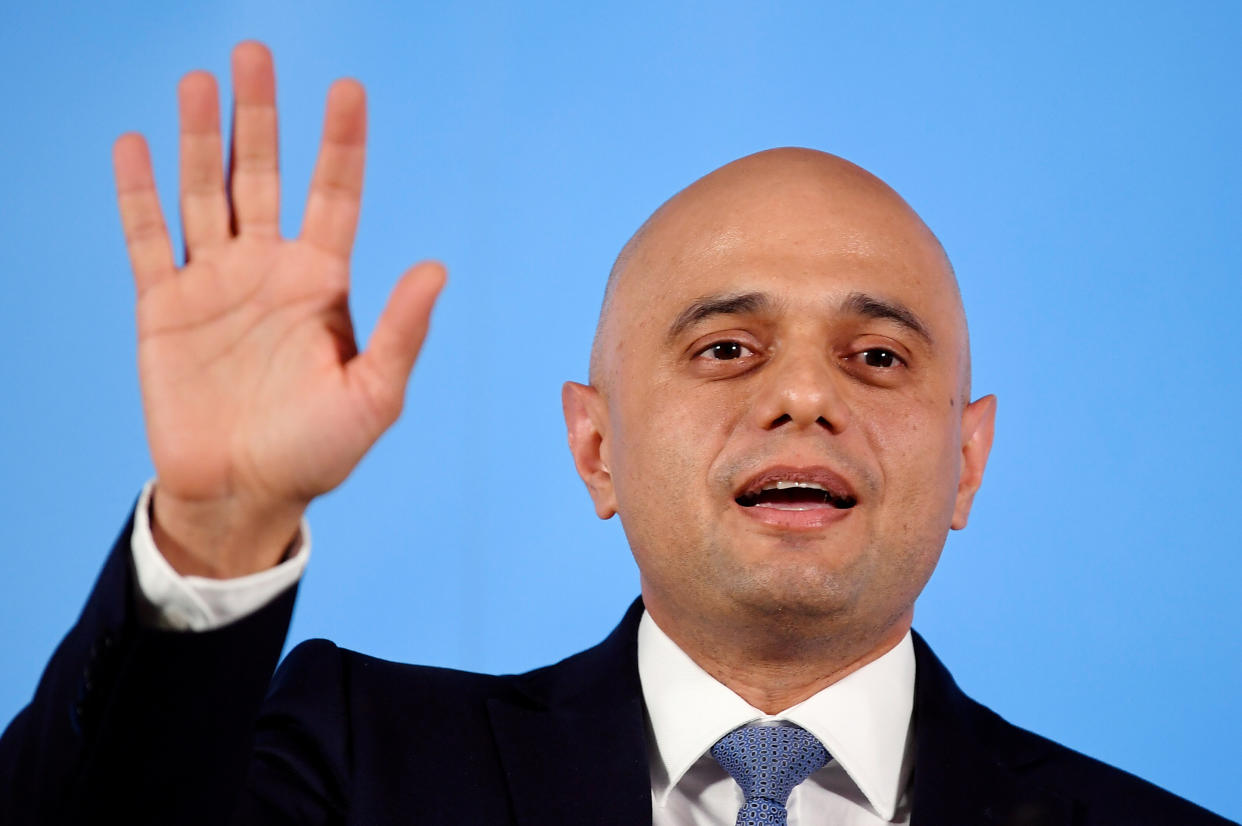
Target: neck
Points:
(775, 667)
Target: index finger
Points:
(336, 187)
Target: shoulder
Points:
(1008, 770)
(606, 671)
(340, 711)
(318, 667)
(1111, 795)
(343, 731)
(1100, 794)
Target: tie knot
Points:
(767, 761)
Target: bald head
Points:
(787, 317)
(822, 208)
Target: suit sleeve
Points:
(132, 724)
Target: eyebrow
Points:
(713, 305)
(870, 306)
(856, 303)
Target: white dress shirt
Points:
(863, 720)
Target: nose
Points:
(802, 389)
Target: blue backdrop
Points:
(1080, 164)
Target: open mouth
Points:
(795, 496)
(797, 490)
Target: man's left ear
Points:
(586, 421)
(978, 425)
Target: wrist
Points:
(222, 539)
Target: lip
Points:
(802, 519)
(837, 484)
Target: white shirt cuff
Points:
(195, 603)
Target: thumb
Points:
(402, 327)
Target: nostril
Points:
(784, 418)
(824, 423)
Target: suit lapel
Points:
(572, 741)
(966, 771)
(572, 737)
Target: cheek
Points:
(656, 486)
(916, 448)
(667, 443)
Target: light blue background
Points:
(1080, 164)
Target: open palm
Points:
(256, 397)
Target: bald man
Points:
(779, 411)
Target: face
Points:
(779, 411)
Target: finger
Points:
(382, 370)
(204, 207)
(336, 187)
(255, 181)
(146, 236)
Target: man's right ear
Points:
(586, 421)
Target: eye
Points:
(725, 351)
(880, 358)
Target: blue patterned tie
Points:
(767, 761)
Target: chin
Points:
(806, 588)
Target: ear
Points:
(978, 424)
(586, 420)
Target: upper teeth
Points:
(783, 485)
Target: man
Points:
(779, 411)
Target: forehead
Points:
(803, 241)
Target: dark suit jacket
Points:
(131, 725)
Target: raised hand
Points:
(256, 397)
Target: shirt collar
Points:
(862, 719)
